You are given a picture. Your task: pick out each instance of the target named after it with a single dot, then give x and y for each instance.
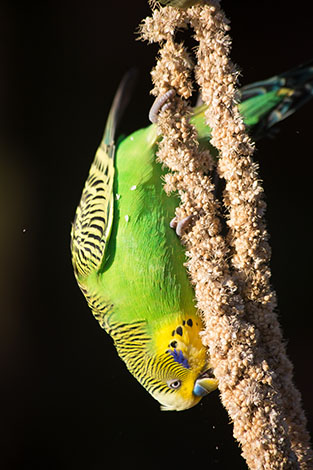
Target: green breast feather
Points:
(128, 262)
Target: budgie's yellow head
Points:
(167, 358)
(178, 373)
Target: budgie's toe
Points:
(181, 225)
(160, 104)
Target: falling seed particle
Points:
(127, 218)
(24, 230)
(117, 196)
(133, 187)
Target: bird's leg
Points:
(160, 104)
(181, 225)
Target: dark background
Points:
(67, 399)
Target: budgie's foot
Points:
(181, 225)
(161, 103)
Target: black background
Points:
(68, 401)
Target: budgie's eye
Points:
(175, 384)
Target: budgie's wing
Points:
(94, 215)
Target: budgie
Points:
(129, 262)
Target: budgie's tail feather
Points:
(291, 89)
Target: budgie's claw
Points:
(160, 104)
(180, 226)
(173, 222)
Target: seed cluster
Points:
(231, 274)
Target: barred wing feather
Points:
(94, 215)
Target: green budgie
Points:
(128, 261)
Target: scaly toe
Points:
(160, 104)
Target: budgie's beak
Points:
(205, 383)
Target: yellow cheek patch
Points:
(182, 334)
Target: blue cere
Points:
(179, 357)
